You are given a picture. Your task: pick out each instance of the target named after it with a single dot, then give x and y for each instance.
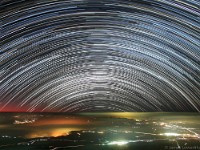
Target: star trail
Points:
(100, 55)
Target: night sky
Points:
(100, 55)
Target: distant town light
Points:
(118, 143)
(171, 134)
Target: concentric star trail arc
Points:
(108, 55)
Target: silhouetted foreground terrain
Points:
(100, 131)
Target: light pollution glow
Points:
(52, 132)
(53, 125)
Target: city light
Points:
(171, 134)
(118, 143)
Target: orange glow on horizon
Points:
(60, 121)
(13, 108)
(51, 132)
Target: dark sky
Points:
(108, 55)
